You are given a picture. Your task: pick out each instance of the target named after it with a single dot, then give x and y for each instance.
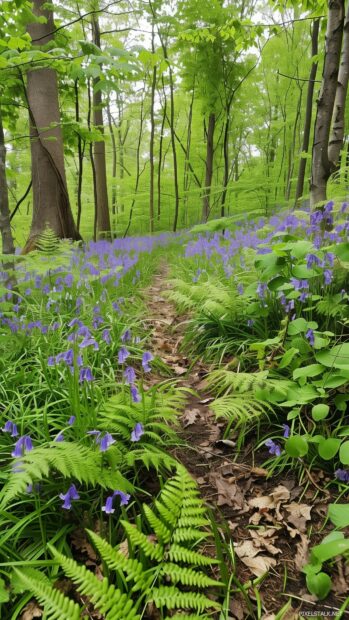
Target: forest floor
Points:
(269, 523)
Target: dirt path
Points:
(267, 519)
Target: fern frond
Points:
(105, 597)
(70, 459)
(152, 550)
(240, 408)
(223, 380)
(161, 531)
(172, 598)
(116, 560)
(187, 576)
(177, 553)
(56, 605)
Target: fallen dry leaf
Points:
(30, 611)
(259, 564)
(229, 494)
(298, 515)
(301, 556)
(190, 416)
(180, 370)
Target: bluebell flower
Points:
(108, 507)
(286, 430)
(342, 475)
(261, 289)
(51, 361)
(85, 375)
(69, 496)
(71, 420)
(89, 342)
(22, 445)
(137, 432)
(10, 427)
(60, 437)
(147, 357)
(329, 258)
(123, 355)
(328, 276)
(310, 337)
(250, 322)
(105, 442)
(124, 497)
(274, 448)
(75, 322)
(135, 395)
(106, 336)
(312, 259)
(126, 336)
(129, 374)
(240, 289)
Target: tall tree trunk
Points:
(186, 182)
(308, 110)
(5, 225)
(103, 217)
(152, 136)
(209, 166)
(114, 162)
(81, 153)
(338, 119)
(51, 201)
(138, 164)
(161, 147)
(321, 168)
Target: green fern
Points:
(240, 409)
(160, 563)
(70, 459)
(57, 606)
(223, 380)
(48, 242)
(105, 597)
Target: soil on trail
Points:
(267, 520)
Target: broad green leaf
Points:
(344, 453)
(296, 446)
(337, 357)
(320, 412)
(319, 585)
(339, 514)
(328, 448)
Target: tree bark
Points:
(321, 168)
(81, 153)
(114, 162)
(338, 119)
(161, 147)
(152, 137)
(51, 206)
(102, 216)
(5, 225)
(209, 166)
(308, 111)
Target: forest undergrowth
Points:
(174, 434)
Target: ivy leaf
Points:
(319, 585)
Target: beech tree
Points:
(321, 166)
(51, 206)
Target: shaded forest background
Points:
(199, 109)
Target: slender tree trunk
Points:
(295, 133)
(114, 162)
(103, 216)
(209, 166)
(152, 137)
(161, 147)
(5, 225)
(81, 153)
(138, 166)
(321, 168)
(51, 201)
(186, 182)
(338, 119)
(121, 144)
(308, 111)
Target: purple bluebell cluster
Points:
(124, 500)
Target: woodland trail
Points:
(264, 521)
